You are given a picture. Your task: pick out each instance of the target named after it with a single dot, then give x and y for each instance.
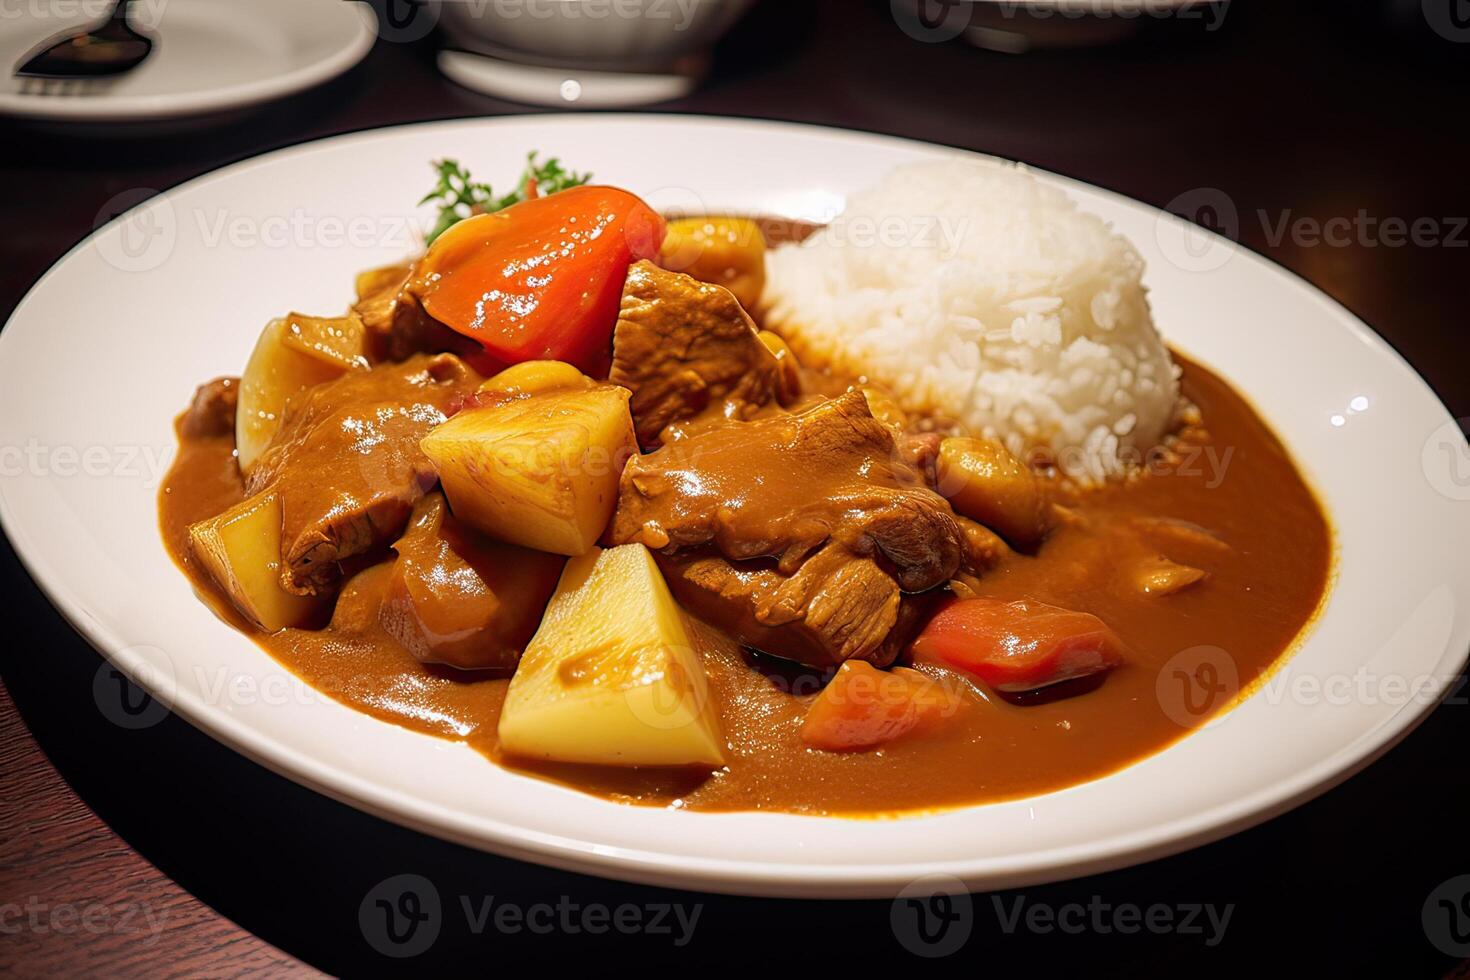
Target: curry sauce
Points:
(1228, 501)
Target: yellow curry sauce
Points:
(1267, 555)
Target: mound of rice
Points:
(971, 290)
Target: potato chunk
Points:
(338, 341)
(729, 252)
(1160, 576)
(293, 353)
(611, 677)
(241, 550)
(534, 378)
(540, 471)
(985, 483)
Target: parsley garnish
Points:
(459, 197)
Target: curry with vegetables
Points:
(550, 490)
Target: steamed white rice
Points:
(971, 290)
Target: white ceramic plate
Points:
(208, 56)
(108, 346)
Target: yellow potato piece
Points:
(612, 677)
(241, 550)
(293, 353)
(535, 377)
(338, 341)
(729, 252)
(985, 483)
(540, 471)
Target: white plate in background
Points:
(106, 349)
(208, 56)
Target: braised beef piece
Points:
(459, 597)
(348, 463)
(836, 607)
(395, 323)
(681, 346)
(810, 527)
(212, 412)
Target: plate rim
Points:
(733, 875)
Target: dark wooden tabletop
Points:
(159, 851)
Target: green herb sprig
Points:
(458, 196)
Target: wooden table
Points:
(159, 851)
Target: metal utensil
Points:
(109, 47)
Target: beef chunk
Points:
(394, 320)
(681, 346)
(805, 528)
(785, 485)
(836, 607)
(212, 412)
(348, 463)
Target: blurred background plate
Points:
(209, 56)
(586, 53)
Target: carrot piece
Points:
(541, 280)
(1018, 646)
(862, 707)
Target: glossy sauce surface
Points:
(1266, 549)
